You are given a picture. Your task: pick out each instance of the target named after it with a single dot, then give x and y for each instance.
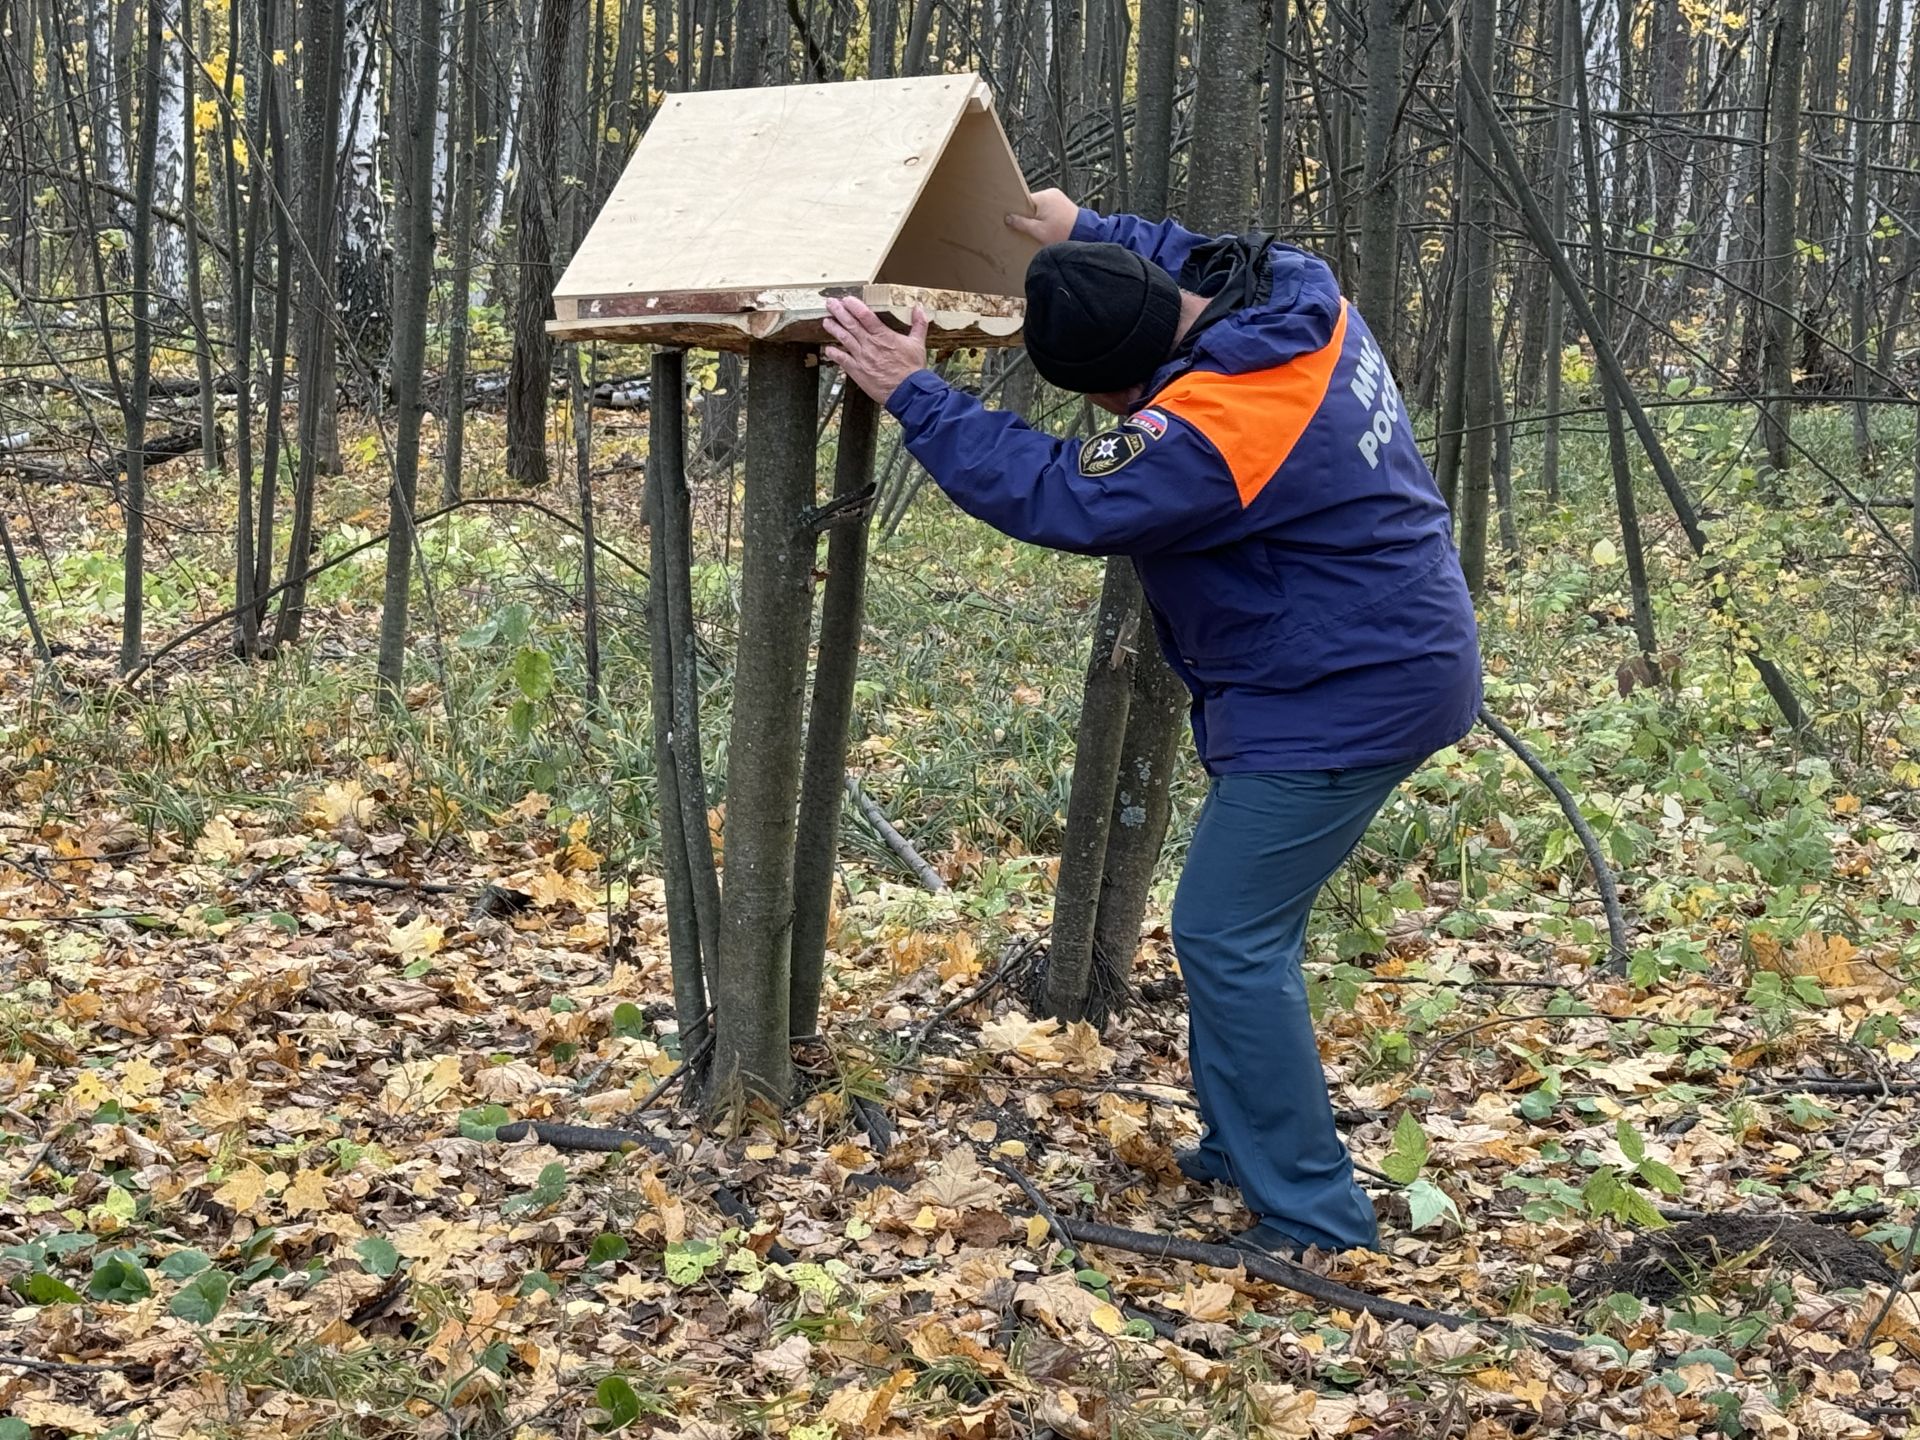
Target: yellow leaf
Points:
(344, 800)
(1212, 1301)
(220, 841)
(307, 1192)
(139, 1078)
(1107, 1320)
(56, 1415)
(1037, 1230)
(90, 1090)
(417, 938)
(245, 1189)
(1017, 1035)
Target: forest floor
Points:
(261, 1016)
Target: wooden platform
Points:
(742, 211)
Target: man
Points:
(1299, 563)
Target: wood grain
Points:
(732, 320)
(743, 210)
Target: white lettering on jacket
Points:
(1373, 387)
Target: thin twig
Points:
(1016, 955)
(1899, 1285)
(1589, 842)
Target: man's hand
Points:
(1052, 220)
(874, 357)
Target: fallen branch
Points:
(1274, 1271)
(386, 882)
(895, 841)
(1589, 842)
(1818, 1085)
(75, 1367)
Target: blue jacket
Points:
(1291, 541)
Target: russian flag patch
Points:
(1151, 421)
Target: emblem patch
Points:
(1150, 421)
(1104, 454)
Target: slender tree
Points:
(417, 65)
(134, 495)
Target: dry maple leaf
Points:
(308, 1192)
(790, 1360)
(1017, 1035)
(958, 1183)
(418, 937)
(343, 800)
(220, 841)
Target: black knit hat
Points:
(1099, 318)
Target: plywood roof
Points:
(741, 210)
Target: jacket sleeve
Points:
(1167, 243)
(1169, 491)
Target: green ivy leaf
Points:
(688, 1260)
(41, 1288)
(607, 1248)
(182, 1263)
(117, 1277)
(480, 1121)
(377, 1255)
(549, 1189)
(202, 1298)
(11, 1429)
(1631, 1145)
(1429, 1203)
(1661, 1177)
(628, 1022)
(1402, 1163)
(616, 1396)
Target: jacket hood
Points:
(1297, 319)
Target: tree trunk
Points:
(1158, 53)
(417, 41)
(830, 717)
(466, 83)
(320, 59)
(1779, 234)
(686, 838)
(169, 166)
(751, 994)
(1559, 191)
(1482, 373)
(538, 216)
(363, 271)
(1860, 248)
(1104, 700)
(1226, 136)
(134, 501)
(1380, 207)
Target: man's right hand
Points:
(1052, 220)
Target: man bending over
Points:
(1299, 564)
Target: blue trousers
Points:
(1264, 846)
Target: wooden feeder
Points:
(743, 211)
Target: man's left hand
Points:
(873, 356)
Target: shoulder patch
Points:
(1108, 452)
(1152, 422)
